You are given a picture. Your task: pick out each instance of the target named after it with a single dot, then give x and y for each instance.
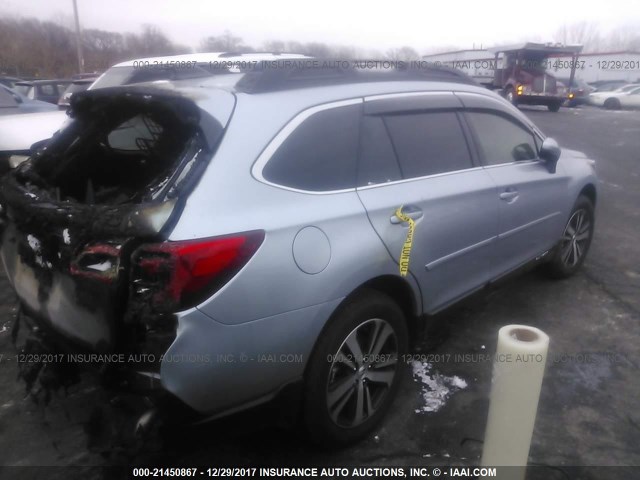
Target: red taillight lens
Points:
(178, 275)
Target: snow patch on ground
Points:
(436, 388)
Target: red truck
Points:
(523, 77)
(519, 72)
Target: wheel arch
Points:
(398, 289)
(589, 191)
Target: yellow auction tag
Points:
(408, 242)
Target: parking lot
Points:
(588, 413)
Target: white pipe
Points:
(518, 369)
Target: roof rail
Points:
(275, 75)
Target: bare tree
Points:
(31, 48)
(581, 33)
(402, 54)
(227, 42)
(275, 46)
(442, 49)
(624, 38)
(317, 49)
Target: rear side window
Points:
(321, 154)
(428, 143)
(47, 89)
(502, 140)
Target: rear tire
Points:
(612, 104)
(347, 392)
(571, 251)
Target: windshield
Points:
(77, 87)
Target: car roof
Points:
(84, 81)
(206, 57)
(42, 82)
(324, 94)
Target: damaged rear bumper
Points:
(48, 361)
(208, 370)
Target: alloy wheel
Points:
(362, 372)
(575, 238)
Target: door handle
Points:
(509, 195)
(410, 211)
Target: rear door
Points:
(530, 197)
(414, 154)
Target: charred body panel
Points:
(116, 177)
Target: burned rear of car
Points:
(84, 222)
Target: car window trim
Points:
(284, 133)
(425, 177)
(497, 104)
(457, 108)
(395, 104)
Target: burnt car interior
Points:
(126, 153)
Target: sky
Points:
(373, 24)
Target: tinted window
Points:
(47, 89)
(23, 89)
(501, 140)
(428, 143)
(378, 162)
(320, 154)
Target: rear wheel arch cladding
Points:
(401, 292)
(311, 250)
(397, 289)
(589, 191)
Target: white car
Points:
(623, 97)
(19, 132)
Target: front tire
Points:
(355, 370)
(573, 247)
(511, 96)
(554, 107)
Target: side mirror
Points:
(550, 153)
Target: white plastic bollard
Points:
(518, 369)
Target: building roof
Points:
(538, 47)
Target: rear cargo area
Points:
(114, 178)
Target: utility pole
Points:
(78, 38)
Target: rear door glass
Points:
(428, 143)
(378, 161)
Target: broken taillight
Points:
(174, 276)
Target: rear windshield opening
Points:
(120, 154)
